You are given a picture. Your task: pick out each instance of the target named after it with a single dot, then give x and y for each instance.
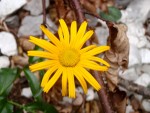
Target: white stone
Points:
(146, 105)
(130, 74)
(140, 9)
(35, 6)
(136, 12)
(9, 6)
(90, 95)
(145, 55)
(31, 26)
(79, 90)
(8, 45)
(129, 109)
(4, 61)
(143, 80)
(134, 56)
(26, 92)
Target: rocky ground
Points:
(21, 18)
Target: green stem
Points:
(16, 104)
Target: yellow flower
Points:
(67, 58)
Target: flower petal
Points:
(65, 31)
(47, 75)
(80, 32)
(80, 78)
(84, 39)
(97, 59)
(44, 44)
(42, 65)
(92, 65)
(53, 80)
(97, 50)
(42, 54)
(84, 50)
(89, 78)
(51, 36)
(61, 37)
(71, 83)
(73, 33)
(64, 82)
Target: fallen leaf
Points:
(119, 99)
(118, 55)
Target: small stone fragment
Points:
(143, 80)
(8, 45)
(9, 6)
(4, 61)
(35, 6)
(26, 92)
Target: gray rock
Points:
(145, 68)
(130, 74)
(4, 61)
(9, 6)
(31, 25)
(143, 80)
(102, 34)
(12, 21)
(8, 45)
(134, 56)
(35, 6)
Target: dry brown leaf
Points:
(119, 99)
(118, 55)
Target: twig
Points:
(44, 14)
(130, 86)
(78, 11)
(103, 96)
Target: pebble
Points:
(143, 80)
(9, 6)
(134, 56)
(12, 21)
(90, 94)
(31, 26)
(146, 105)
(35, 6)
(130, 74)
(8, 45)
(145, 68)
(4, 62)
(26, 92)
(145, 55)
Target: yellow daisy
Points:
(67, 58)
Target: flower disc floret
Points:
(69, 57)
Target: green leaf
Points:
(7, 76)
(34, 84)
(42, 106)
(113, 14)
(5, 107)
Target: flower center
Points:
(69, 57)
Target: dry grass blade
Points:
(118, 55)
